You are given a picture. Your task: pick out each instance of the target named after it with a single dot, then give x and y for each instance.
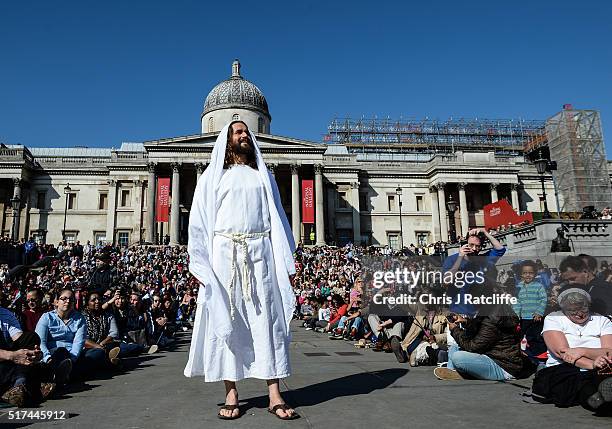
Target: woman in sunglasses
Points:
(578, 369)
(62, 335)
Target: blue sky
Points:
(99, 73)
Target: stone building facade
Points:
(108, 195)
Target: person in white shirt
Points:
(579, 366)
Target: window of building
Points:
(419, 203)
(363, 201)
(260, 125)
(100, 237)
(541, 202)
(70, 236)
(391, 203)
(103, 203)
(342, 201)
(41, 198)
(72, 200)
(39, 236)
(235, 117)
(125, 198)
(123, 238)
(211, 124)
(393, 239)
(422, 238)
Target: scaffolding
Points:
(575, 141)
(432, 135)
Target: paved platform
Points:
(334, 386)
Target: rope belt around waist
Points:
(240, 239)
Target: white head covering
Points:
(201, 232)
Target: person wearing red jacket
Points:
(33, 312)
(339, 309)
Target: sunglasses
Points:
(66, 298)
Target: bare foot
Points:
(230, 399)
(280, 412)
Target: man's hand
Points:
(476, 231)
(458, 319)
(384, 324)
(465, 250)
(25, 357)
(161, 321)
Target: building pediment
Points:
(205, 142)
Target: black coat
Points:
(601, 296)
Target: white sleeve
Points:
(552, 322)
(606, 326)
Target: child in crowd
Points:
(530, 307)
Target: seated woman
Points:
(426, 337)
(102, 334)
(62, 335)
(124, 318)
(580, 355)
(489, 345)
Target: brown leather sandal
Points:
(231, 408)
(284, 407)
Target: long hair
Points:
(230, 155)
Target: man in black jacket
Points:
(103, 276)
(581, 270)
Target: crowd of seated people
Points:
(85, 310)
(77, 313)
(503, 341)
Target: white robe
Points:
(258, 346)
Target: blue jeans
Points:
(478, 366)
(130, 349)
(357, 324)
(452, 349)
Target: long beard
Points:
(244, 150)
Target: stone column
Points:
(16, 207)
(137, 204)
(295, 204)
(272, 168)
(331, 211)
(111, 213)
(435, 214)
(356, 215)
(516, 205)
(151, 184)
(27, 205)
(442, 207)
(200, 167)
(493, 187)
(175, 209)
(463, 211)
(319, 215)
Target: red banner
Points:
(502, 213)
(161, 206)
(307, 201)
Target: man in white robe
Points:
(241, 250)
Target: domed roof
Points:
(236, 92)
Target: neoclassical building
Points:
(109, 195)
